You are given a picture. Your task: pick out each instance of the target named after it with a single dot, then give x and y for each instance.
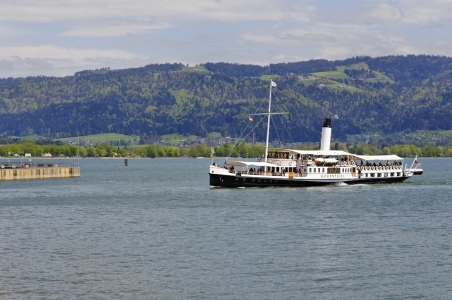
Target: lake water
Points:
(154, 230)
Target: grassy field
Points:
(380, 76)
(432, 137)
(338, 74)
(329, 84)
(268, 77)
(361, 65)
(104, 138)
(28, 137)
(174, 139)
(215, 134)
(194, 69)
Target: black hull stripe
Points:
(237, 181)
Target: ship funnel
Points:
(326, 135)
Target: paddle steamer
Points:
(303, 168)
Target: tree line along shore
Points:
(201, 150)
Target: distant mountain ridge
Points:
(385, 94)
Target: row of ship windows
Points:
(323, 170)
(397, 174)
(348, 170)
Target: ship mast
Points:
(272, 84)
(268, 120)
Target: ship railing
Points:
(254, 173)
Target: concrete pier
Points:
(27, 171)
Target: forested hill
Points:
(384, 94)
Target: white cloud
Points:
(120, 29)
(61, 37)
(57, 10)
(382, 13)
(423, 13)
(50, 51)
(17, 67)
(58, 61)
(22, 67)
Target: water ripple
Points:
(154, 230)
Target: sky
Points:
(59, 38)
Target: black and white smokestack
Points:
(326, 135)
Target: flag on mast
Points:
(273, 84)
(415, 160)
(250, 118)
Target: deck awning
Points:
(320, 152)
(378, 157)
(250, 163)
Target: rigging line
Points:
(257, 109)
(287, 130)
(247, 127)
(276, 129)
(285, 127)
(263, 100)
(241, 135)
(239, 143)
(279, 101)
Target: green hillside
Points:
(391, 96)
